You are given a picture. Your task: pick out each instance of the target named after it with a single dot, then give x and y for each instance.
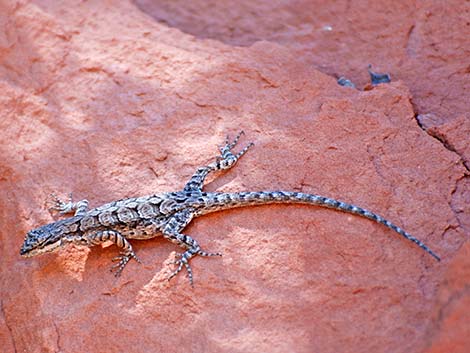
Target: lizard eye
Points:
(34, 234)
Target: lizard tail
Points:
(223, 201)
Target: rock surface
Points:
(107, 100)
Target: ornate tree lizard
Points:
(168, 214)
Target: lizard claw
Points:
(59, 205)
(229, 145)
(64, 207)
(123, 259)
(227, 159)
(182, 261)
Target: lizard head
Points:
(43, 239)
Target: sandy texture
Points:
(113, 99)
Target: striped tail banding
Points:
(230, 200)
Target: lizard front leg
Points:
(80, 207)
(172, 230)
(117, 238)
(226, 160)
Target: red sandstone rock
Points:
(423, 43)
(453, 300)
(454, 134)
(101, 100)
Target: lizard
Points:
(168, 213)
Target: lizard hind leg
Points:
(193, 249)
(172, 230)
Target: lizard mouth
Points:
(37, 251)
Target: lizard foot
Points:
(59, 205)
(123, 259)
(63, 207)
(227, 159)
(184, 261)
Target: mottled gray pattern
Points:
(168, 214)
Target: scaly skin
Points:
(167, 214)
